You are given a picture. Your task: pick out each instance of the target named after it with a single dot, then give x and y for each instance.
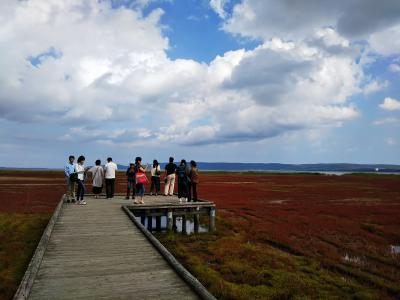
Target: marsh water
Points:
(189, 225)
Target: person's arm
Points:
(66, 171)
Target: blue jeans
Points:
(140, 189)
(81, 190)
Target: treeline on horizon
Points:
(321, 167)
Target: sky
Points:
(293, 81)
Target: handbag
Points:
(73, 177)
(158, 171)
(141, 178)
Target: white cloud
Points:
(395, 67)
(356, 20)
(387, 121)
(218, 7)
(391, 141)
(111, 66)
(375, 86)
(387, 41)
(390, 104)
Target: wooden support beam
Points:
(184, 229)
(211, 227)
(150, 223)
(169, 220)
(174, 227)
(196, 223)
(158, 223)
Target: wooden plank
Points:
(95, 252)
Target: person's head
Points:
(138, 160)
(131, 164)
(71, 159)
(193, 164)
(183, 162)
(109, 159)
(155, 163)
(81, 159)
(171, 159)
(98, 162)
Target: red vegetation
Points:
(347, 223)
(343, 221)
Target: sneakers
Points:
(127, 198)
(81, 202)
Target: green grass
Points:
(19, 236)
(233, 268)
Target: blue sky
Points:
(219, 80)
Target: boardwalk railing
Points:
(181, 270)
(26, 284)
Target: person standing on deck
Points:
(141, 179)
(68, 170)
(193, 181)
(155, 178)
(183, 177)
(170, 169)
(130, 176)
(98, 178)
(80, 169)
(109, 169)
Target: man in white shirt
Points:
(109, 173)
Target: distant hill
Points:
(341, 167)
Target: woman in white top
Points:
(155, 178)
(98, 177)
(80, 169)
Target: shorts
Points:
(140, 189)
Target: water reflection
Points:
(352, 259)
(395, 249)
(190, 228)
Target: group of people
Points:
(76, 173)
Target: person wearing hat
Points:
(130, 175)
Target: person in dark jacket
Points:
(130, 176)
(182, 174)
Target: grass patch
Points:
(233, 268)
(19, 236)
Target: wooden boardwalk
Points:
(96, 252)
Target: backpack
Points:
(182, 172)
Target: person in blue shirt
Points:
(68, 170)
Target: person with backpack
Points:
(141, 179)
(130, 176)
(170, 170)
(193, 181)
(69, 169)
(155, 178)
(182, 173)
(98, 178)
